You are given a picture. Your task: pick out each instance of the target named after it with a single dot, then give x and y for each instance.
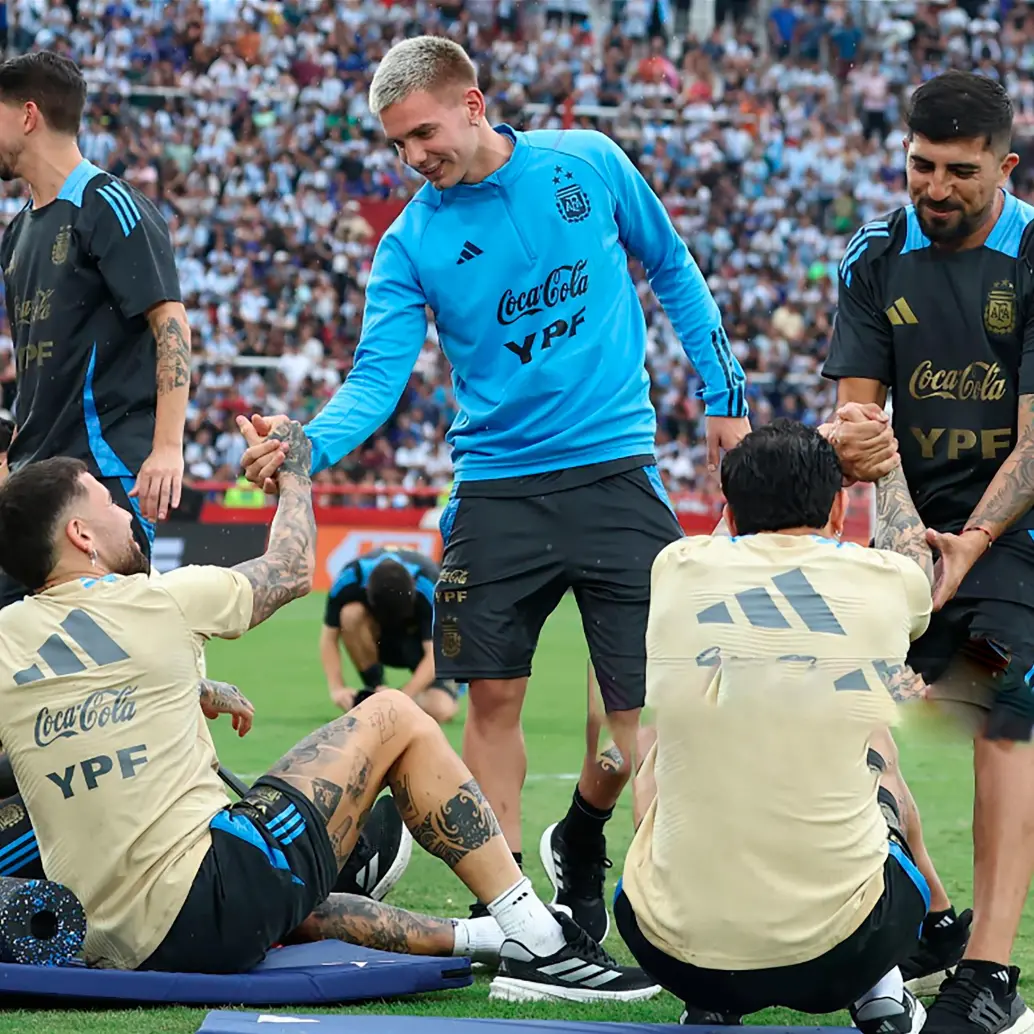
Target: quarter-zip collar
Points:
(505, 176)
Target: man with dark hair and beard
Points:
(936, 308)
(100, 333)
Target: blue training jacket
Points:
(526, 273)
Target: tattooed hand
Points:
(221, 698)
(286, 570)
(901, 681)
(298, 461)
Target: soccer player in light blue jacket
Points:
(519, 243)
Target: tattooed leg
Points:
(606, 771)
(358, 920)
(388, 738)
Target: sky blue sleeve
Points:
(647, 233)
(394, 330)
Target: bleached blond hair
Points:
(421, 63)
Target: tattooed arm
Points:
(172, 337)
(1011, 492)
(898, 525)
(285, 571)
(161, 477)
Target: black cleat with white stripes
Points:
(380, 855)
(580, 972)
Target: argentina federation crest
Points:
(573, 203)
(1000, 309)
(452, 642)
(59, 252)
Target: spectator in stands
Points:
(769, 138)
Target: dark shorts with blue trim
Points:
(512, 549)
(887, 936)
(19, 852)
(143, 531)
(269, 866)
(406, 652)
(990, 621)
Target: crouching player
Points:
(774, 660)
(381, 610)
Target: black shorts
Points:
(991, 621)
(406, 652)
(508, 562)
(143, 531)
(269, 866)
(887, 936)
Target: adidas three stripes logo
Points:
(469, 251)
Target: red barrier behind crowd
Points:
(348, 531)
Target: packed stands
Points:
(770, 137)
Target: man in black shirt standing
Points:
(936, 306)
(101, 339)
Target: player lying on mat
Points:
(381, 609)
(187, 880)
(774, 658)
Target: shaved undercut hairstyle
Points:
(423, 63)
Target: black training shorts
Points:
(269, 866)
(143, 531)
(991, 621)
(887, 936)
(397, 650)
(508, 562)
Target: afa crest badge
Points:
(452, 642)
(59, 252)
(571, 201)
(1000, 308)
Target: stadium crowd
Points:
(770, 140)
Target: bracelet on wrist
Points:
(977, 527)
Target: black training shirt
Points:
(952, 336)
(80, 275)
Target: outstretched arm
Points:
(285, 571)
(899, 527)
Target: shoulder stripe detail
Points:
(122, 205)
(1007, 234)
(80, 178)
(857, 245)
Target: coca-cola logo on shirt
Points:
(561, 285)
(105, 707)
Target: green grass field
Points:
(277, 667)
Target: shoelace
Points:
(583, 944)
(958, 993)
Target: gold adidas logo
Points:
(900, 313)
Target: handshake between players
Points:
(865, 443)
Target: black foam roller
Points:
(41, 923)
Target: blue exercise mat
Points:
(303, 974)
(358, 1023)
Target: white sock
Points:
(890, 986)
(525, 919)
(479, 939)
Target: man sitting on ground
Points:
(774, 864)
(188, 881)
(381, 609)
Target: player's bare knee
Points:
(437, 704)
(355, 618)
(496, 703)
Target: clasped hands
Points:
(864, 441)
